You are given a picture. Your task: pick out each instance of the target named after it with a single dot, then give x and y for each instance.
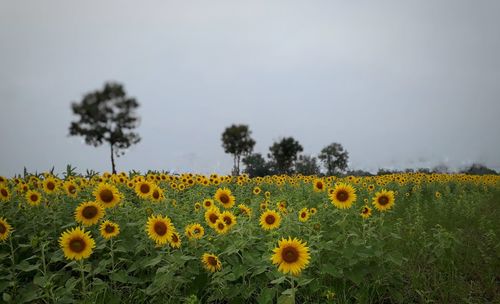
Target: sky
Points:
(398, 83)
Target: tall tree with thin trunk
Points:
(107, 116)
(283, 155)
(334, 158)
(237, 140)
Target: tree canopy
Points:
(237, 140)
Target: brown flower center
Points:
(221, 226)
(224, 198)
(227, 220)
(365, 210)
(156, 194)
(34, 197)
(71, 189)
(270, 219)
(51, 186)
(319, 185)
(213, 218)
(4, 193)
(342, 196)
(383, 200)
(109, 228)
(3, 229)
(212, 261)
(77, 245)
(208, 203)
(303, 214)
(175, 239)
(144, 188)
(290, 254)
(196, 231)
(160, 228)
(89, 212)
(106, 195)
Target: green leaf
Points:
(266, 296)
(26, 267)
(119, 276)
(278, 280)
(286, 299)
(6, 297)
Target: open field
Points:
(159, 238)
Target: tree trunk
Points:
(235, 166)
(113, 160)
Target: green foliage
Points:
(334, 158)
(307, 165)
(283, 155)
(237, 140)
(256, 165)
(107, 115)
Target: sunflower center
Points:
(156, 194)
(50, 186)
(213, 218)
(71, 189)
(227, 220)
(77, 245)
(221, 226)
(319, 185)
(342, 195)
(365, 210)
(109, 229)
(224, 198)
(303, 214)
(270, 219)
(89, 212)
(4, 192)
(160, 228)
(212, 261)
(208, 203)
(106, 195)
(175, 239)
(196, 231)
(144, 188)
(34, 197)
(3, 229)
(290, 254)
(383, 200)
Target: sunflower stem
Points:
(13, 260)
(84, 287)
(112, 255)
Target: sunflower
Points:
(89, 213)
(221, 227)
(225, 197)
(33, 197)
(109, 229)
(270, 219)
(318, 185)
(50, 185)
(303, 215)
(175, 240)
(4, 193)
(228, 218)
(256, 190)
(245, 210)
(366, 212)
(76, 244)
(383, 200)
(159, 229)
(195, 231)
(71, 188)
(282, 207)
(197, 207)
(211, 216)
(157, 194)
(5, 229)
(313, 211)
(107, 195)
(143, 189)
(208, 203)
(343, 196)
(267, 194)
(211, 262)
(291, 256)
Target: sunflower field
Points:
(160, 238)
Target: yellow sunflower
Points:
(71, 188)
(270, 219)
(221, 227)
(291, 256)
(109, 229)
(303, 215)
(318, 185)
(175, 240)
(208, 203)
(211, 216)
(157, 194)
(76, 244)
(5, 229)
(50, 185)
(245, 210)
(143, 189)
(211, 262)
(225, 197)
(159, 229)
(313, 211)
(89, 213)
(256, 190)
(383, 200)
(194, 231)
(343, 196)
(366, 212)
(4, 194)
(228, 218)
(107, 195)
(33, 197)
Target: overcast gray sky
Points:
(398, 83)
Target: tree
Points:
(107, 116)
(334, 158)
(256, 165)
(236, 140)
(283, 155)
(307, 165)
(479, 169)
